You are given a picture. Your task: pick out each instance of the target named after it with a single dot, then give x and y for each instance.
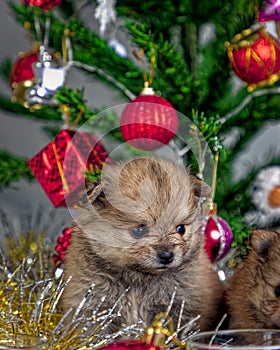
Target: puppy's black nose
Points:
(165, 257)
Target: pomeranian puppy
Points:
(253, 293)
(138, 236)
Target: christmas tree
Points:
(212, 69)
(192, 54)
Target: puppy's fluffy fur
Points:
(139, 232)
(253, 292)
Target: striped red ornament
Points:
(148, 122)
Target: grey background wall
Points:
(25, 137)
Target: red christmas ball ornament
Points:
(130, 344)
(45, 5)
(22, 74)
(217, 233)
(218, 238)
(255, 57)
(63, 242)
(148, 121)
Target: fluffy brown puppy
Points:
(139, 232)
(253, 293)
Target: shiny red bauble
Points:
(255, 57)
(218, 237)
(148, 122)
(22, 74)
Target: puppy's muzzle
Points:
(165, 257)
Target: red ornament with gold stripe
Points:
(149, 121)
(61, 165)
(255, 57)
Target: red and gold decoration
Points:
(22, 74)
(255, 57)
(217, 233)
(149, 121)
(155, 337)
(162, 331)
(45, 5)
(60, 166)
(63, 242)
(266, 192)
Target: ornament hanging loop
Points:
(152, 67)
(47, 32)
(147, 80)
(209, 206)
(67, 52)
(217, 147)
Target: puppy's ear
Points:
(261, 242)
(93, 191)
(201, 189)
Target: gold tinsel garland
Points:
(30, 289)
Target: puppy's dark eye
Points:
(181, 229)
(277, 291)
(139, 232)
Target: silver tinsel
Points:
(49, 77)
(105, 13)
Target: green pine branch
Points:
(191, 74)
(87, 46)
(44, 113)
(13, 169)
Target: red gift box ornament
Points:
(255, 57)
(60, 166)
